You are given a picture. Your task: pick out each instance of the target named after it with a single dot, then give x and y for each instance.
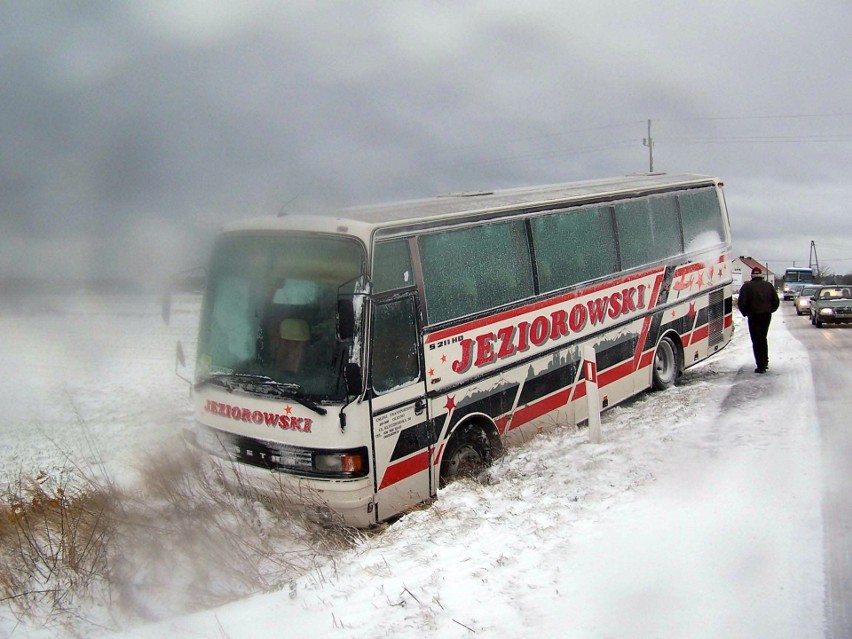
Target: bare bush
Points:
(189, 534)
(54, 545)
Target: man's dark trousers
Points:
(758, 328)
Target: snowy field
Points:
(90, 377)
(699, 515)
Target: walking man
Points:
(758, 300)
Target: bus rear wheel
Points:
(666, 364)
(468, 454)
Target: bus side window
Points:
(395, 357)
(703, 224)
(574, 246)
(392, 266)
(648, 230)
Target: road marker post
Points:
(590, 372)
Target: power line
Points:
(834, 137)
(825, 260)
(795, 116)
(649, 142)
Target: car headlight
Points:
(826, 311)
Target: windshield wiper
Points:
(262, 385)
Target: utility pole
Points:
(813, 259)
(650, 144)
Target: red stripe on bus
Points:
(646, 324)
(612, 375)
(405, 469)
(438, 456)
(536, 410)
(506, 315)
(656, 292)
(559, 399)
(700, 333)
(643, 335)
(501, 424)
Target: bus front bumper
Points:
(347, 502)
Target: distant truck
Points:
(794, 279)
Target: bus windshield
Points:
(269, 318)
(798, 275)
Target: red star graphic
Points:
(700, 279)
(288, 409)
(431, 372)
(451, 403)
(674, 313)
(691, 311)
(443, 359)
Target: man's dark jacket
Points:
(757, 296)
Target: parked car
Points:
(832, 305)
(803, 299)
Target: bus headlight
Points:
(352, 463)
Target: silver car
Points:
(803, 299)
(832, 305)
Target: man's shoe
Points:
(760, 370)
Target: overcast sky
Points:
(130, 131)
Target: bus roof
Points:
(363, 220)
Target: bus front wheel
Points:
(468, 454)
(666, 364)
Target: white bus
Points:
(358, 363)
(796, 278)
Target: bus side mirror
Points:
(345, 319)
(351, 299)
(354, 379)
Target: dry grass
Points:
(178, 540)
(53, 546)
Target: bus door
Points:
(403, 441)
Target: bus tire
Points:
(468, 453)
(666, 364)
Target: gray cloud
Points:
(133, 130)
